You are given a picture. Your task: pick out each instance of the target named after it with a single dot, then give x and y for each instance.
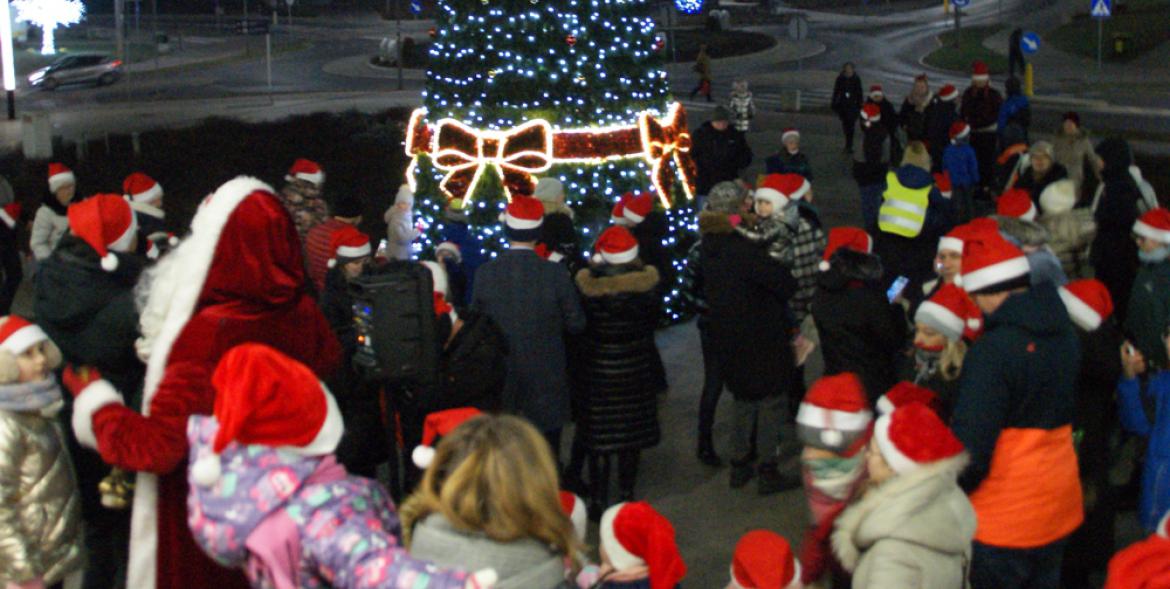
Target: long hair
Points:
(494, 475)
(950, 364)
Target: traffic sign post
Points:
(1030, 43)
(959, 6)
(1100, 10)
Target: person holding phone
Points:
(1132, 396)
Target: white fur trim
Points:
(23, 339)
(800, 193)
(522, 224)
(448, 246)
(620, 257)
(122, 244)
(995, 273)
(109, 262)
(790, 133)
(953, 244)
(207, 470)
(942, 317)
(1145, 230)
(1059, 197)
(619, 557)
(7, 219)
(96, 395)
(579, 518)
(191, 262)
(894, 457)
(346, 251)
(631, 216)
(556, 257)
(771, 195)
(56, 181)
(885, 406)
(1161, 529)
(964, 134)
(483, 579)
(815, 416)
(823, 266)
(147, 195)
(1082, 314)
(314, 179)
(439, 282)
(422, 456)
(327, 438)
(980, 78)
(1030, 214)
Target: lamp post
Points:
(9, 62)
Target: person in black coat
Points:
(846, 102)
(940, 115)
(1114, 253)
(720, 151)
(90, 314)
(860, 330)
(750, 330)
(615, 388)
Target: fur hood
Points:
(712, 223)
(601, 282)
(1023, 233)
(925, 508)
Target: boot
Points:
(773, 481)
(706, 453)
(741, 473)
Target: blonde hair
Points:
(950, 364)
(916, 155)
(495, 475)
(10, 371)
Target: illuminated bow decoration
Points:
(463, 152)
(663, 141)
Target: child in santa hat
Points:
(913, 526)
(764, 560)
(489, 499)
(267, 495)
(958, 161)
(51, 222)
(40, 516)
(834, 425)
(638, 549)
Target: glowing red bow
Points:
(664, 140)
(463, 152)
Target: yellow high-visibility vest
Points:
(903, 209)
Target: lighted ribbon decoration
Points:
(663, 141)
(464, 152)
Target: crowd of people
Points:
(186, 409)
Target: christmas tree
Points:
(523, 89)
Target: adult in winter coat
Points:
(1071, 230)
(860, 330)
(1040, 171)
(980, 108)
(940, 115)
(871, 170)
(913, 113)
(1072, 149)
(1133, 398)
(1014, 415)
(89, 312)
(1148, 313)
(301, 195)
(846, 102)
(205, 298)
(1114, 252)
(913, 526)
(51, 222)
(615, 389)
(877, 96)
(720, 151)
(11, 252)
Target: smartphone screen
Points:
(897, 287)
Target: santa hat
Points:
(835, 415)
(436, 425)
(953, 241)
(307, 170)
(10, 214)
(1155, 225)
(618, 215)
(1017, 203)
(1059, 197)
(979, 72)
(1144, 564)
(635, 535)
(574, 508)
(876, 91)
(959, 130)
(348, 244)
(616, 246)
(992, 264)
(764, 560)
(1088, 302)
(913, 436)
(107, 224)
(18, 334)
(942, 181)
(780, 189)
(905, 393)
(636, 208)
(452, 248)
(792, 132)
(59, 176)
(948, 93)
(523, 218)
(851, 238)
(263, 397)
(871, 112)
(441, 290)
(139, 187)
(554, 256)
(952, 313)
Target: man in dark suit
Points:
(535, 304)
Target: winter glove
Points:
(76, 379)
(482, 579)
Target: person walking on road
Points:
(703, 68)
(846, 102)
(720, 151)
(980, 108)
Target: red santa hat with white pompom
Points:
(107, 224)
(834, 414)
(616, 246)
(436, 425)
(851, 238)
(914, 436)
(763, 560)
(635, 535)
(348, 244)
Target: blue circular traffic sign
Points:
(961, 3)
(1030, 43)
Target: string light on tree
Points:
(48, 15)
(689, 6)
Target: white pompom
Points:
(173, 241)
(422, 456)
(832, 437)
(482, 579)
(974, 324)
(597, 259)
(824, 266)
(206, 470)
(109, 262)
(332, 262)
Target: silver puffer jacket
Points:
(40, 516)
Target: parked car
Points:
(77, 69)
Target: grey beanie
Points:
(726, 197)
(721, 113)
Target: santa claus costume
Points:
(239, 277)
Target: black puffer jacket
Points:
(1114, 253)
(615, 385)
(860, 330)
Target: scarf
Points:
(1154, 257)
(925, 364)
(42, 396)
(835, 476)
(920, 100)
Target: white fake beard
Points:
(153, 296)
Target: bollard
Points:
(946, 7)
(1028, 80)
(136, 144)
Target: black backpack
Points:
(394, 312)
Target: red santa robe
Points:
(238, 278)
